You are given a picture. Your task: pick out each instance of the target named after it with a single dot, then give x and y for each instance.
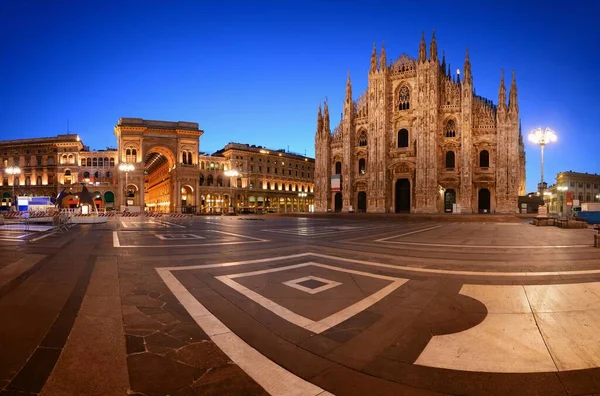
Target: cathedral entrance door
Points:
(484, 200)
(338, 202)
(402, 195)
(362, 202)
(449, 200)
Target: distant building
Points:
(584, 187)
(420, 140)
(169, 174)
(49, 164)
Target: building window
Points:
(190, 158)
(38, 181)
(362, 141)
(402, 138)
(100, 161)
(83, 162)
(27, 181)
(404, 98)
(95, 162)
(108, 175)
(268, 185)
(219, 181)
(89, 162)
(572, 184)
(362, 166)
(338, 168)
(86, 175)
(201, 181)
(239, 183)
(450, 129)
(112, 162)
(484, 159)
(209, 180)
(587, 185)
(96, 175)
(450, 160)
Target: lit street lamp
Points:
(125, 167)
(14, 171)
(231, 173)
(542, 138)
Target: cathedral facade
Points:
(420, 140)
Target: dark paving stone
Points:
(581, 381)
(319, 344)
(134, 344)
(162, 343)
(185, 331)
(312, 283)
(352, 327)
(340, 380)
(227, 380)
(34, 374)
(202, 355)
(152, 374)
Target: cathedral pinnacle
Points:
(326, 127)
(502, 93)
(512, 96)
(467, 69)
(433, 56)
(348, 89)
(374, 59)
(422, 49)
(319, 121)
(443, 61)
(383, 63)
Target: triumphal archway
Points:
(163, 159)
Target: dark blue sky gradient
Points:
(255, 71)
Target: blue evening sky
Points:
(255, 71)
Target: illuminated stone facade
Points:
(420, 140)
(584, 187)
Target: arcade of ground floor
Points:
(339, 304)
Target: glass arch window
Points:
(403, 138)
(450, 160)
(362, 166)
(404, 98)
(484, 159)
(450, 129)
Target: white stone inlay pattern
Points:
(295, 283)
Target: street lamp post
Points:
(14, 171)
(231, 173)
(541, 138)
(125, 167)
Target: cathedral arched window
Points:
(450, 129)
(362, 140)
(450, 160)
(402, 138)
(338, 168)
(404, 98)
(484, 159)
(362, 166)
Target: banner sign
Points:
(336, 182)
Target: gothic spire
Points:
(422, 49)
(326, 127)
(348, 89)
(374, 59)
(467, 69)
(449, 71)
(383, 63)
(433, 56)
(319, 121)
(512, 96)
(502, 93)
(443, 61)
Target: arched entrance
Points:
(338, 202)
(362, 202)
(449, 200)
(402, 195)
(158, 186)
(109, 199)
(484, 200)
(97, 196)
(132, 195)
(188, 199)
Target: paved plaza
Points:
(343, 305)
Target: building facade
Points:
(420, 140)
(569, 187)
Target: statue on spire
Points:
(433, 49)
(319, 121)
(422, 49)
(443, 61)
(348, 89)
(326, 126)
(374, 59)
(383, 63)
